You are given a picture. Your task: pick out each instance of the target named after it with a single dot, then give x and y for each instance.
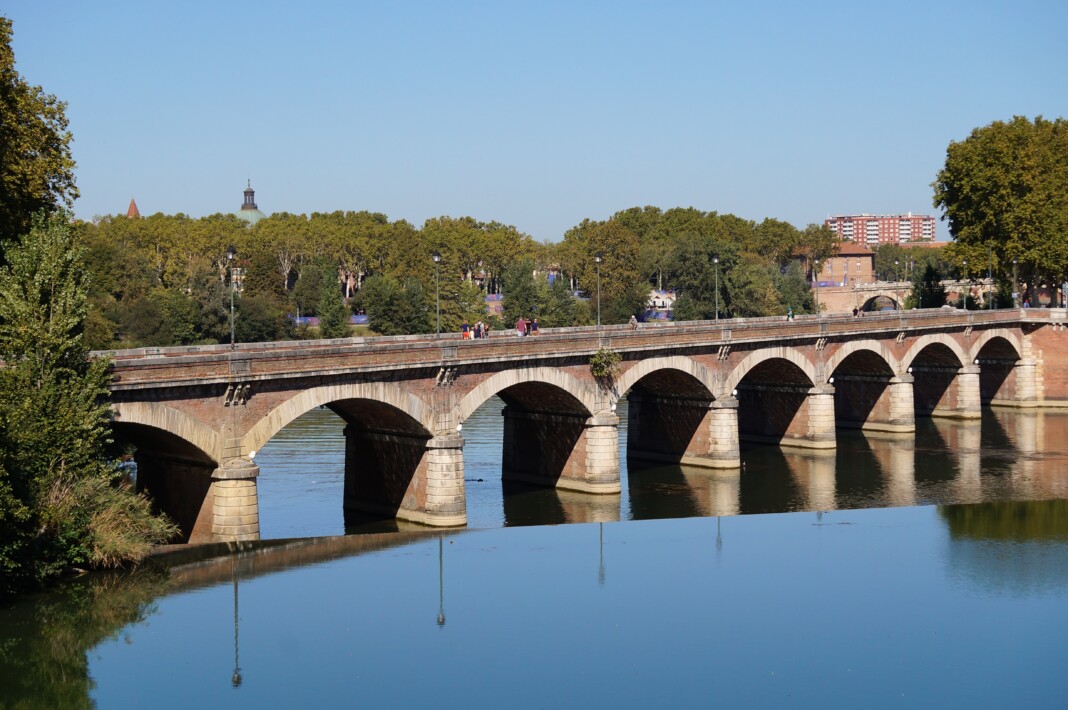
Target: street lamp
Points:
(1015, 284)
(597, 258)
(715, 260)
(436, 256)
(990, 279)
(230, 254)
(816, 285)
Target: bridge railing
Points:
(153, 367)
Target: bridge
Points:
(696, 391)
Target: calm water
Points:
(848, 588)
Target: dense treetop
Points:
(1004, 191)
(36, 167)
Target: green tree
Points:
(524, 296)
(333, 313)
(1004, 191)
(927, 289)
(60, 506)
(36, 167)
(752, 291)
(561, 308)
(262, 318)
(795, 291)
(393, 308)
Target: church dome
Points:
(249, 212)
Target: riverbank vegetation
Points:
(62, 501)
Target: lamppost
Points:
(897, 282)
(815, 284)
(964, 265)
(230, 254)
(436, 256)
(597, 258)
(715, 260)
(1015, 284)
(990, 279)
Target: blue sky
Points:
(534, 114)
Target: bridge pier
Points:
(691, 432)
(446, 497)
(820, 431)
(1026, 374)
(407, 476)
(968, 403)
(562, 450)
(235, 502)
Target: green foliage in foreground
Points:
(60, 506)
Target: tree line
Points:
(166, 279)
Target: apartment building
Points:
(874, 230)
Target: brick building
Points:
(873, 230)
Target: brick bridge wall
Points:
(197, 415)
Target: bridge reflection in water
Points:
(998, 457)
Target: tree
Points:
(795, 291)
(36, 167)
(752, 290)
(561, 309)
(524, 297)
(261, 319)
(333, 313)
(1004, 191)
(927, 289)
(393, 308)
(59, 505)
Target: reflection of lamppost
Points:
(441, 584)
(715, 260)
(597, 260)
(600, 567)
(437, 289)
(230, 254)
(816, 285)
(235, 679)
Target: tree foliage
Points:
(58, 502)
(36, 167)
(1004, 191)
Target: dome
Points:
(249, 212)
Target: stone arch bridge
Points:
(197, 415)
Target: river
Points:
(925, 570)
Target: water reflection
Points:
(1008, 455)
(361, 601)
(45, 638)
(1015, 548)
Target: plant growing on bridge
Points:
(604, 364)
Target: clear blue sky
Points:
(535, 114)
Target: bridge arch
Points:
(381, 392)
(876, 347)
(759, 357)
(173, 422)
(501, 381)
(986, 336)
(898, 298)
(648, 366)
(926, 341)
